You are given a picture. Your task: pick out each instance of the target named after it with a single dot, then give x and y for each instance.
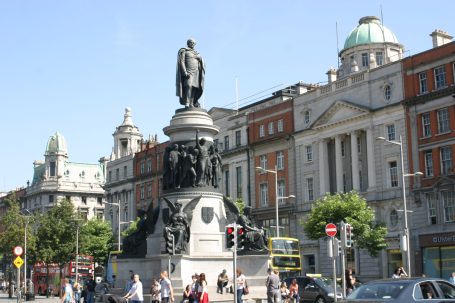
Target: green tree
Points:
(352, 209)
(131, 228)
(95, 239)
(57, 234)
(14, 223)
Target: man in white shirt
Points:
(136, 292)
(167, 292)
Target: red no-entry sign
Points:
(18, 250)
(331, 230)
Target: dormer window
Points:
(307, 116)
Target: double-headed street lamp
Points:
(405, 210)
(277, 198)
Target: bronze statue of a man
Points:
(190, 75)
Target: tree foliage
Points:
(57, 234)
(240, 204)
(352, 209)
(14, 223)
(130, 229)
(95, 239)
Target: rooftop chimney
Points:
(331, 75)
(440, 37)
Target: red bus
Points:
(85, 269)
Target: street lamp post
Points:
(25, 248)
(403, 175)
(277, 198)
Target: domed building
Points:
(369, 45)
(56, 179)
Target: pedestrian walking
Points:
(77, 289)
(241, 280)
(186, 294)
(167, 292)
(155, 291)
(136, 292)
(452, 278)
(67, 292)
(194, 287)
(273, 287)
(202, 292)
(90, 288)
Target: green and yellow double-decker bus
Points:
(285, 256)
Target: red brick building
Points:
(148, 173)
(430, 117)
(270, 139)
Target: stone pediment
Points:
(340, 112)
(444, 182)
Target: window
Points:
(52, 168)
(309, 189)
(426, 128)
(448, 202)
(263, 161)
(429, 163)
(391, 132)
(238, 172)
(68, 198)
(142, 168)
(309, 153)
(84, 200)
(279, 160)
(100, 215)
(440, 77)
(281, 191)
(226, 142)
(125, 171)
(227, 183)
(431, 208)
(307, 117)
(345, 184)
(215, 142)
(343, 148)
(142, 192)
(264, 193)
(379, 58)
(110, 176)
(117, 174)
(393, 218)
(51, 199)
(423, 87)
(238, 138)
(149, 165)
(387, 92)
(443, 120)
(271, 128)
(359, 145)
(280, 125)
(149, 190)
(99, 200)
(365, 62)
(261, 131)
(393, 171)
(446, 160)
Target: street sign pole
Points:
(334, 268)
(343, 262)
(234, 265)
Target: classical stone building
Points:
(56, 178)
(120, 174)
(430, 117)
(336, 126)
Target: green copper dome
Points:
(370, 30)
(56, 145)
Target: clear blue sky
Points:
(73, 66)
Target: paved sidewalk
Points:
(39, 299)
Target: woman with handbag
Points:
(241, 282)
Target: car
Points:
(315, 289)
(404, 290)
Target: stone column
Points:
(338, 164)
(355, 162)
(370, 160)
(323, 167)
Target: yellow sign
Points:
(18, 262)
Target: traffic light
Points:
(348, 235)
(230, 236)
(241, 237)
(337, 247)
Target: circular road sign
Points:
(18, 250)
(331, 230)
